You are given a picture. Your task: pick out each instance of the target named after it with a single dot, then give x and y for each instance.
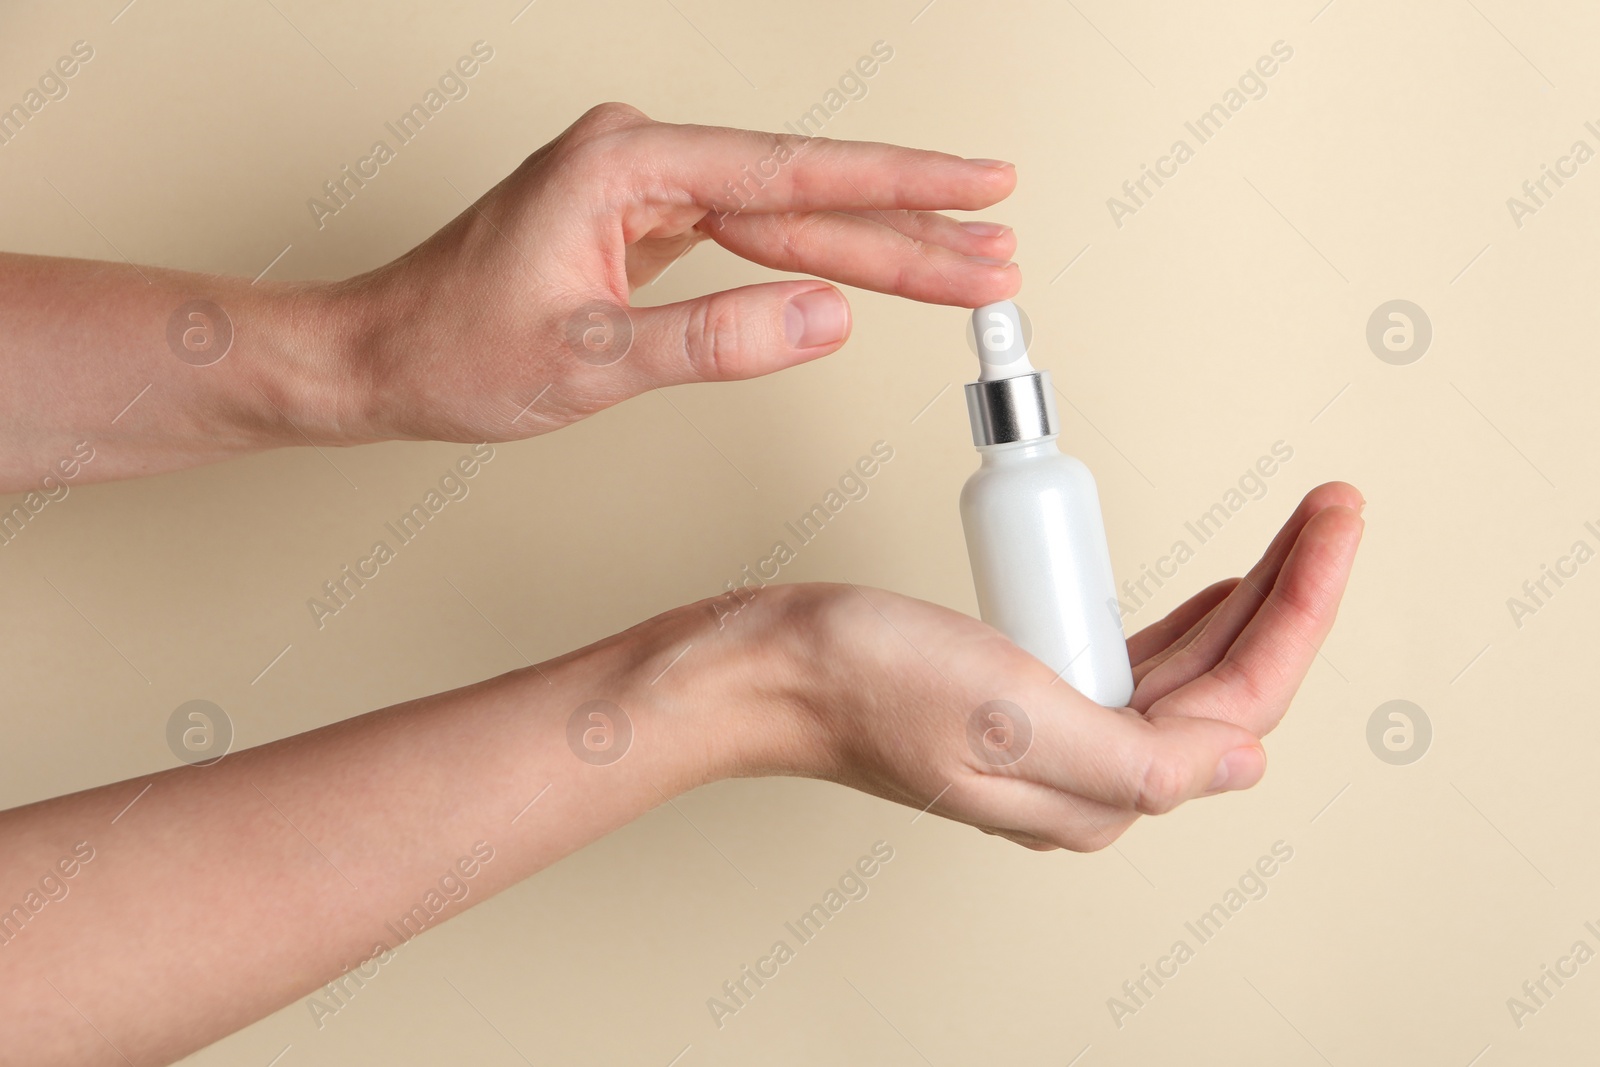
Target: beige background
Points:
(1227, 314)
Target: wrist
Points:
(313, 384)
(761, 700)
(709, 694)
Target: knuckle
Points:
(593, 144)
(609, 116)
(831, 619)
(1250, 685)
(1299, 599)
(1163, 785)
(711, 340)
(802, 234)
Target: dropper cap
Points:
(1010, 401)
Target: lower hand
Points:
(890, 694)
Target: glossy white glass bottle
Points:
(1035, 535)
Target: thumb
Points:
(738, 333)
(1135, 764)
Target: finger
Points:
(1123, 760)
(1141, 701)
(735, 334)
(1254, 681)
(1203, 651)
(648, 258)
(729, 170)
(969, 237)
(1159, 636)
(858, 251)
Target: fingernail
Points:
(816, 317)
(986, 229)
(996, 163)
(1239, 769)
(989, 261)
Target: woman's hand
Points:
(933, 709)
(514, 319)
(893, 696)
(511, 321)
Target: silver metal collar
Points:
(1022, 408)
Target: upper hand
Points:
(514, 319)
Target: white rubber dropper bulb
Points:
(1001, 351)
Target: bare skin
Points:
(454, 339)
(310, 850)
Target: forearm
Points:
(228, 891)
(512, 320)
(118, 357)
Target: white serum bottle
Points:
(1035, 535)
